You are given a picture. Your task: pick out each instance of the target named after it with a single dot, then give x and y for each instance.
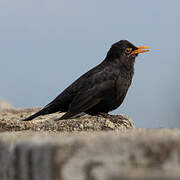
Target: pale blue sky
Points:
(45, 45)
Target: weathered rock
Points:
(85, 149)
(10, 120)
(134, 154)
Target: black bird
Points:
(100, 90)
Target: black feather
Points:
(102, 89)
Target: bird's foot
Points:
(113, 118)
(105, 115)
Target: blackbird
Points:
(100, 90)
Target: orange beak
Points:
(140, 49)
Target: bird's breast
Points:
(122, 86)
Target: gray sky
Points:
(45, 45)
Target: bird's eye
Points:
(128, 50)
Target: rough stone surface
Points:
(10, 120)
(134, 154)
(85, 148)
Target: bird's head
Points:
(125, 52)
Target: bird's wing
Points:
(87, 98)
(61, 102)
(86, 81)
(93, 80)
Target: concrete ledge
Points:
(10, 120)
(134, 154)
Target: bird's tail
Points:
(33, 116)
(44, 111)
